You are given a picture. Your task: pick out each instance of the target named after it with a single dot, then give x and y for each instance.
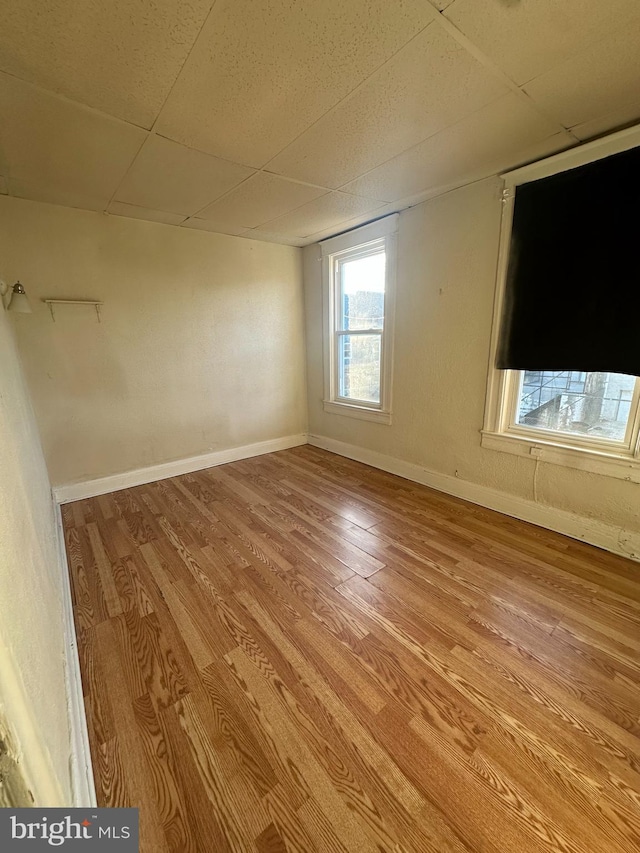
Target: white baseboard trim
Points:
(82, 784)
(141, 476)
(606, 536)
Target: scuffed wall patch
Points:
(14, 792)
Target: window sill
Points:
(619, 465)
(362, 412)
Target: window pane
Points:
(592, 404)
(359, 367)
(362, 292)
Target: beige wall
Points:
(32, 685)
(447, 256)
(200, 347)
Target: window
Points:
(580, 418)
(358, 277)
(586, 405)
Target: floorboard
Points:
(301, 653)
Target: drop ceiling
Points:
(291, 120)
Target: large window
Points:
(588, 411)
(584, 420)
(581, 418)
(358, 289)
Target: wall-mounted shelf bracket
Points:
(93, 302)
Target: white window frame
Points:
(500, 431)
(382, 233)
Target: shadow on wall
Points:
(14, 792)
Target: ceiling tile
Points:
(37, 192)
(442, 4)
(168, 176)
(430, 84)
(489, 141)
(215, 227)
(118, 208)
(320, 214)
(262, 198)
(607, 123)
(603, 79)
(264, 70)
(60, 146)
(349, 224)
(4, 186)
(121, 57)
(526, 38)
(268, 237)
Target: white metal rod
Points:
(73, 301)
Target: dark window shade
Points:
(572, 298)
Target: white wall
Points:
(200, 347)
(32, 684)
(447, 257)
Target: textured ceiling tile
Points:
(262, 198)
(60, 146)
(37, 192)
(356, 222)
(486, 142)
(119, 56)
(525, 37)
(117, 208)
(320, 214)
(215, 227)
(264, 70)
(268, 237)
(607, 123)
(430, 84)
(442, 4)
(168, 176)
(603, 79)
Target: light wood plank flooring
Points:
(298, 653)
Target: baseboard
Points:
(105, 485)
(82, 784)
(606, 536)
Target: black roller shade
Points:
(572, 297)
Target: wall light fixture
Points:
(18, 299)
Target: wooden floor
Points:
(298, 652)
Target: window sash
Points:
(341, 333)
(360, 253)
(630, 444)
